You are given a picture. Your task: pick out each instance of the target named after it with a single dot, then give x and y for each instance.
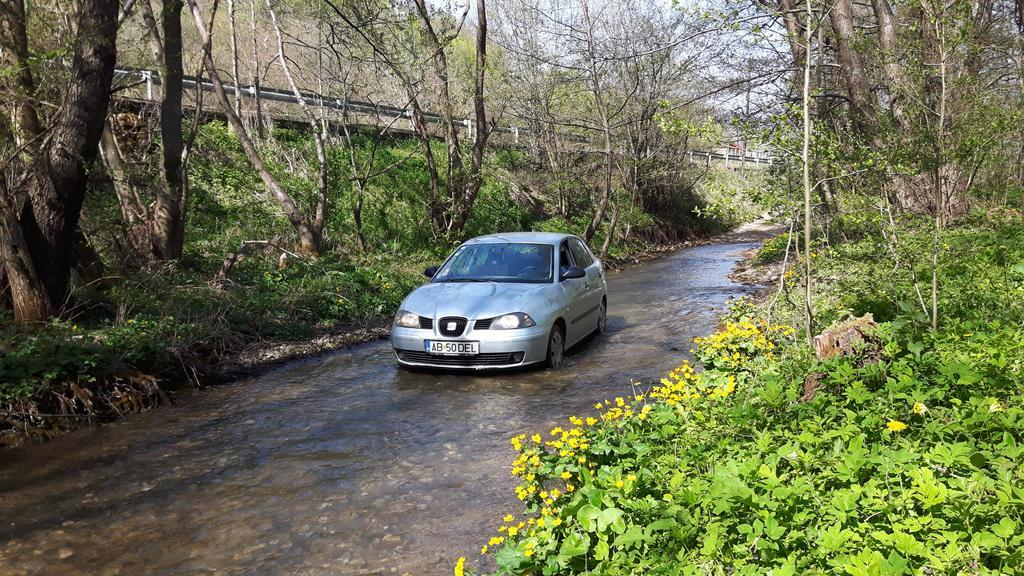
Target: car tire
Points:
(602, 318)
(556, 348)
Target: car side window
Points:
(580, 253)
(564, 256)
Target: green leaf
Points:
(610, 517)
(587, 517)
(574, 545)
(631, 536)
(1005, 529)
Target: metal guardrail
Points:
(151, 78)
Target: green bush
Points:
(907, 459)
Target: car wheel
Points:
(602, 319)
(556, 348)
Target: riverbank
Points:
(771, 459)
(72, 376)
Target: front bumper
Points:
(498, 348)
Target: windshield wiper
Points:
(469, 280)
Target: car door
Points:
(593, 288)
(575, 294)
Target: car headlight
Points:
(511, 321)
(407, 319)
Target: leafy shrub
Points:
(738, 343)
(909, 462)
(773, 250)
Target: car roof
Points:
(553, 238)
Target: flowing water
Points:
(338, 465)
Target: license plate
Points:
(449, 348)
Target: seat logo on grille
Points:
(452, 325)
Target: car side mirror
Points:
(430, 271)
(573, 272)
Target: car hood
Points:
(472, 300)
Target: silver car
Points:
(502, 301)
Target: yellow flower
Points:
(566, 475)
(535, 438)
(513, 530)
(896, 426)
(484, 549)
(591, 421)
(540, 522)
(460, 566)
(618, 484)
(495, 540)
(598, 406)
(995, 406)
(556, 522)
(569, 487)
(508, 518)
(528, 552)
(920, 409)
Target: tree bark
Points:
(611, 232)
(14, 40)
(895, 76)
(851, 67)
(473, 180)
(168, 225)
(794, 31)
(236, 77)
(806, 159)
(39, 220)
(256, 72)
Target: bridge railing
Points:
(142, 84)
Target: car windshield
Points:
(523, 263)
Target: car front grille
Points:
(492, 359)
(460, 326)
(483, 324)
(426, 323)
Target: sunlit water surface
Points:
(337, 465)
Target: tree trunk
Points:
(851, 67)
(307, 239)
(895, 77)
(806, 159)
(256, 72)
(602, 109)
(236, 77)
(168, 224)
(357, 214)
(473, 180)
(320, 209)
(15, 56)
(39, 221)
(455, 180)
(611, 232)
(419, 121)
